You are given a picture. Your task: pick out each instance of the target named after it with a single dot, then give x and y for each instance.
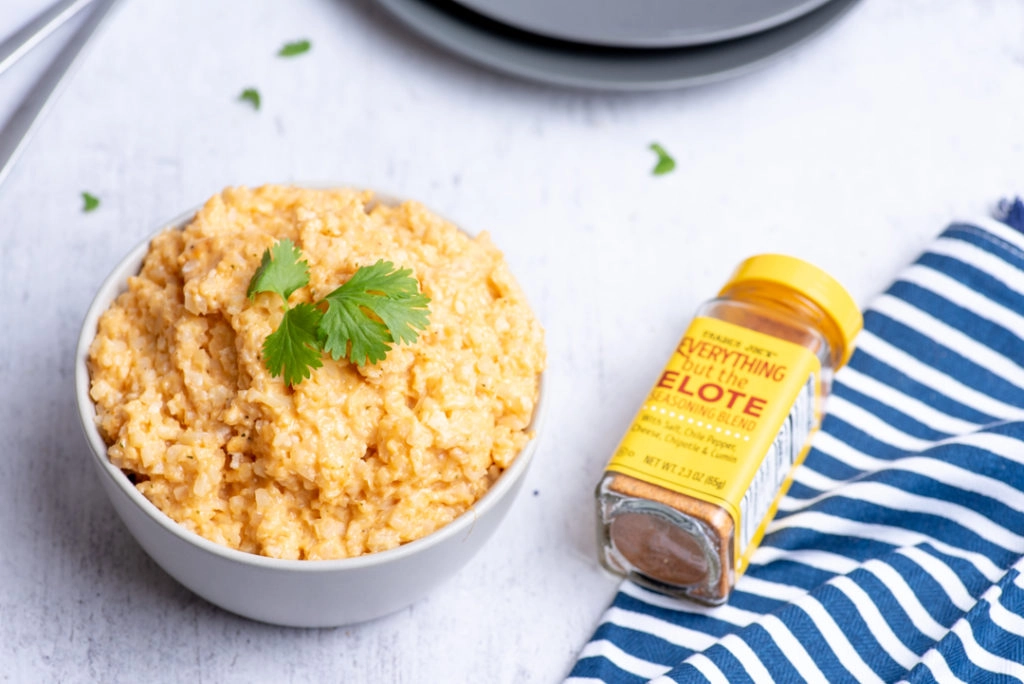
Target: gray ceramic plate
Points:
(523, 54)
(644, 23)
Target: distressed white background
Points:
(851, 152)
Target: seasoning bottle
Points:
(699, 474)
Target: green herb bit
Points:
(665, 161)
(292, 49)
(89, 202)
(251, 95)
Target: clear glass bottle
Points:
(689, 491)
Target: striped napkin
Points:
(897, 553)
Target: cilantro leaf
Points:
(282, 270)
(379, 305)
(89, 202)
(350, 332)
(251, 95)
(665, 161)
(294, 48)
(292, 351)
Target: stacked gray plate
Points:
(619, 44)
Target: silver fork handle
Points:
(19, 128)
(36, 30)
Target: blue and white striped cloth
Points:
(898, 554)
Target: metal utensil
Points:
(21, 125)
(36, 30)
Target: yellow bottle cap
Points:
(811, 282)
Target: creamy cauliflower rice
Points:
(352, 460)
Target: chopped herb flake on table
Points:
(89, 202)
(292, 49)
(665, 161)
(251, 95)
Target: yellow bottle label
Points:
(728, 421)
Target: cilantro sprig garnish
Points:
(379, 306)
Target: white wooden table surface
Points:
(851, 152)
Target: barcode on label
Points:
(777, 462)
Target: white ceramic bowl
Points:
(287, 592)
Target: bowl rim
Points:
(112, 286)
